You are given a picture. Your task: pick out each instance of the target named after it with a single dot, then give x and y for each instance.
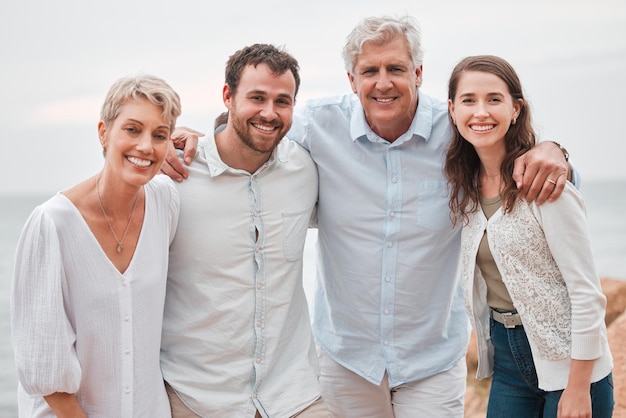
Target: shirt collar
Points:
(217, 166)
(421, 126)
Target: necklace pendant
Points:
(120, 246)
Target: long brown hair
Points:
(462, 164)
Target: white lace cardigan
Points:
(545, 259)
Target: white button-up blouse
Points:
(78, 324)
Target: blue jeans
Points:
(514, 387)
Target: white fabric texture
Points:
(545, 259)
(79, 325)
(237, 333)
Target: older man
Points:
(389, 317)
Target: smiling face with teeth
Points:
(135, 142)
(386, 81)
(260, 114)
(483, 110)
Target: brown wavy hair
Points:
(276, 58)
(462, 165)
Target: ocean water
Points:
(605, 201)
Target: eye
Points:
(467, 100)
(132, 130)
(283, 102)
(161, 135)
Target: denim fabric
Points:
(514, 390)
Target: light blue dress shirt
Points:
(387, 296)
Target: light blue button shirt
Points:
(387, 296)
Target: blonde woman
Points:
(90, 272)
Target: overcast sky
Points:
(60, 57)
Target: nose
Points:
(144, 143)
(383, 81)
(481, 110)
(268, 110)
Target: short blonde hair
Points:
(140, 86)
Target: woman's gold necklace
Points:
(120, 245)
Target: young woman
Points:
(90, 272)
(529, 279)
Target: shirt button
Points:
(389, 244)
(254, 395)
(387, 279)
(255, 213)
(258, 323)
(386, 342)
(127, 351)
(127, 318)
(259, 286)
(127, 391)
(258, 361)
(386, 311)
(257, 249)
(392, 214)
(394, 180)
(123, 282)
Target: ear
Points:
(226, 96)
(102, 134)
(517, 108)
(451, 111)
(352, 82)
(418, 76)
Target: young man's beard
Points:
(243, 130)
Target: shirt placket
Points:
(259, 281)
(390, 250)
(126, 345)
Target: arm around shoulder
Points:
(185, 139)
(541, 172)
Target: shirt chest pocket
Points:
(295, 226)
(433, 211)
